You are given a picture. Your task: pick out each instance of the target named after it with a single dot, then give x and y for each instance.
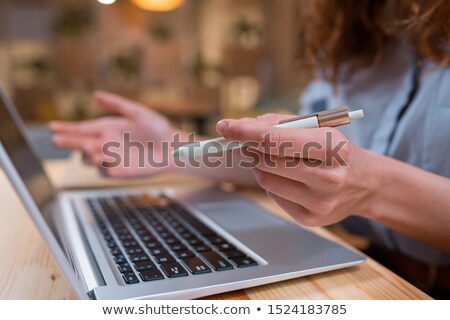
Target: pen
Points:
(328, 118)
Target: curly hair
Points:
(359, 32)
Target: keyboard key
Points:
(184, 254)
(147, 238)
(243, 262)
(187, 235)
(134, 250)
(139, 257)
(130, 278)
(216, 261)
(144, 265)
(170, 241)
(124, 267)
(194, 241)
(126, 237)
(111, 244)
(150, 275)
(216, 239)
(174, 269)
(120, 259)
(233, 254)
(163, 258)
(153, 244)
(115, 251)
(201, 248)
(157, 251)
(178, 247)
(131, 243)
(225, 246)
(196, 266)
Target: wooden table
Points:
(28, 270)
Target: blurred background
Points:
(195, 61)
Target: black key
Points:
(178, 247)
(151, 275)
(144, 265)
(120, 259)
(184, 254)
(130, 278)
(130, 243)
(218, 263)
(196, 266)
(163, 258)
(153, 244)
(160, 228)
(107, 237)
(225, 246)
(139, 257)
(174, 269)
(125, 237)
(125, 267)
(115, 251)
(201, 248)
(243, 262)
(194, 241)
(204, 230)
(180, 229)
(147, 238)
(165, 234)
(231, 254)
(134, 250)
(111, 244)
(187, 235)
(170, 241)
(157, 251)
(216, 239)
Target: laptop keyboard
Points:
(156, 238)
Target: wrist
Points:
(372, 179)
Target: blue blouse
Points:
(407, 117)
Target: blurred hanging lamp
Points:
(158, 5)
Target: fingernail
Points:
(222, 128)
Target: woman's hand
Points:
(132, 122)
(317, 175)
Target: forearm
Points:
(409, 200)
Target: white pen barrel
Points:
(202, 148)
(311, 122)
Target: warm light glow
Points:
(106, 1)
(158, 5)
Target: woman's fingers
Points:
(88, 127)
(69, 141)
(119, 105)
(296, 211)
(294, 191)
(320, 143)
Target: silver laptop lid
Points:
(24, 169)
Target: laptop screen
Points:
(16, 145)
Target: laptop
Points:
(159, 242)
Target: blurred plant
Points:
(246, 34)
(39, 67)
(123, 66)
(207, 73)
(73, 22)
(162, 32)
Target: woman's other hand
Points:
(103, 141)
